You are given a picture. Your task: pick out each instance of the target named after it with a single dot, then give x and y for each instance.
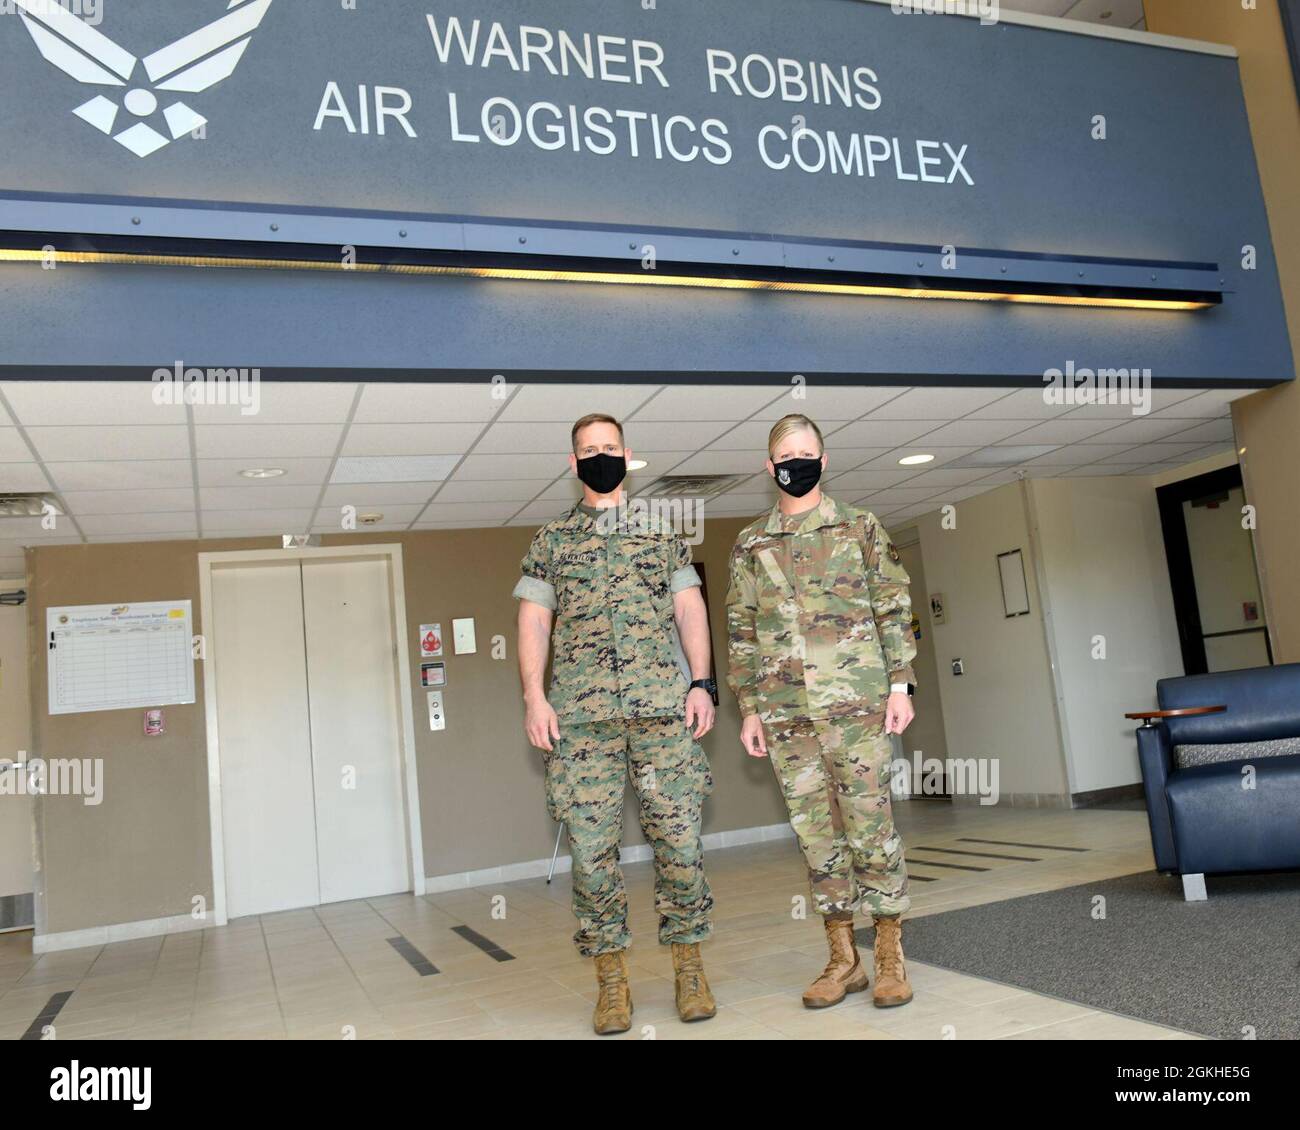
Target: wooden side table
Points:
(1149, 717)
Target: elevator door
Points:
(307, 717)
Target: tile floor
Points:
(331, 972)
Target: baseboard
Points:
(120, 932)
(1020, 800)
(630, 853)
(1109, 796)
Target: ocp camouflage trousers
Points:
(586, 778)
(834, 774)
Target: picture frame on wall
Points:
(1015, 588)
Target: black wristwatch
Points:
(710, 685)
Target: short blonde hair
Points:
(594, 418)
(796, 422)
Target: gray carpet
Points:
(1210, 967)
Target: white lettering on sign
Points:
(657, 132)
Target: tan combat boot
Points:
(694, 1000)
(844, 973)
(614, 1004)
(892, 986)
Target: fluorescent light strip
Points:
(530, 274)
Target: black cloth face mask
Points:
(602, 473)
(798, 476)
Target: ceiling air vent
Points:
(29, 505)
(690, 486)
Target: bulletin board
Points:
(118, 656)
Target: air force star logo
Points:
(190, 65)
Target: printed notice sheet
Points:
(115, 656)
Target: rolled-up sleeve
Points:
(535, 584)
(684, 574)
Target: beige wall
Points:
(1267, 423)
(144, 853)
(1002, 707)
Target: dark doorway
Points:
(1212, 573)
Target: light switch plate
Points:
(437, 718)
(462, 634)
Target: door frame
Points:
(392, 554)
(1178, 555)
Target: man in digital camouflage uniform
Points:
(821, 643)
(619, 702)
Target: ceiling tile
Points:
(1067, 430)
(721, 463)
(969, 432)
(859, 481)
(409, 403)
(475, 511)
(340, 494)
(1075, 455)
(686, 435)
(270, 493)
(285, 521)
(285, 402)
(536, 513)
(1215, 431)
(496, 490)
(1150, 430)
(1208, 405)
(147, 523)
(827, 403)
(897, 496)
(730, 403)
(90, 402)
(524, 439)
(533, 466)
(410, 439)
(751, 436)
(22, 477)
(129, 501)
(266, 442)
(1023, 404)
(13, 449)
(127, 474)
(938, 403)
(941, 478)
(564, 404)
(877, 433)
(82, 443)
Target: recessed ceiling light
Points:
(915, 460)
(263, 472)
(637, 465)
(370, 519)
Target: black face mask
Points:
(798, 476)
(602, 473)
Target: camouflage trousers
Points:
(834, 774)
(586, 778)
